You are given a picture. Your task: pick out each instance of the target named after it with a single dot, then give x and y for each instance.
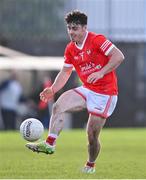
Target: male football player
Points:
(95, 59)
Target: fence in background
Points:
(122, 20)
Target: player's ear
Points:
(85, 27)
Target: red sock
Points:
(51, 140)
(90, 164)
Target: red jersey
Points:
(91, 57)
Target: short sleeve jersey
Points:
(90, 58)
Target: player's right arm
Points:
(59, 82)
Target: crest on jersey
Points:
(88, 51)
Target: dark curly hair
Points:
(76, 17)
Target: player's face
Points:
(76, 32)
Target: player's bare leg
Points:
(68, 101)
(94, 126)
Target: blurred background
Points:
(33, 37)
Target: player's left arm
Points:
(116, 57)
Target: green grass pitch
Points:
(123, 156)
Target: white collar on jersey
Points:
(81, 47)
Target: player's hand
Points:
(92, 78)
(47, 94)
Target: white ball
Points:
(31, 129)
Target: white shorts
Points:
(98, 104)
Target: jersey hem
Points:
(101, 92)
